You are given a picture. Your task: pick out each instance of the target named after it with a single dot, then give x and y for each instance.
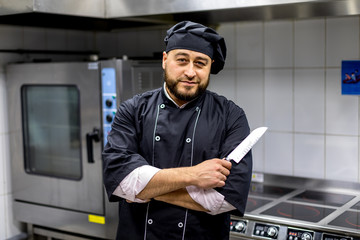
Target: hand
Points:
(211, 173)
(146, 201)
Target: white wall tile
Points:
(129, 43)
(279, 99)
(279, 153)
(309, 43)
(5, 155)
(2, 217)
(150, 42)
(258, 155)
(224, 83)
(80, 40)
(250, 95)
(342, 111)
(3, 186)
(250, 44)
(342, 40)
(12, 227)
(278, 44)
(11, 37)
(3, 160)
(309, 156)
(342, 158)
(3, 131)
(309, 100)
(55, 39)
(227, 31)
(8, 227)
(3, 102)
(107, 44)
(34, 38)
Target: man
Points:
(164, 160)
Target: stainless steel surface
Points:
(52, 234)
(88, 8)
(300, 185)
(79, 205)
(135, 13)
(267, 9)
(57, 192)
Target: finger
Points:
(226, 163)
(222, 177)
(225, 171)
(221, 184)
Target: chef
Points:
(164, 159)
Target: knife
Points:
(244, 147)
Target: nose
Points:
(190, 71)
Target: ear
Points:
(164, 59)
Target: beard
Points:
(172, 85)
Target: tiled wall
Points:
(285, 74)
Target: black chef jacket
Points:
(149, 129)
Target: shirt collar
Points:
(168, 96)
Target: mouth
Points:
(191, 83)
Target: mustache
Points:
(186, 79)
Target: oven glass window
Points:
(51, 125)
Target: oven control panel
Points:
(266, 231)
(327, 236)
(238, 226)
(299, 234)
(108, 86)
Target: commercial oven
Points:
(59, 117)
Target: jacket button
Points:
(150, 221)
(188, 140)
(157, 138)
(162, 105)
(180, 224)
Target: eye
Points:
(200, 63)
(181, 60)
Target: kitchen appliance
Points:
(291, 208)
(59, 117)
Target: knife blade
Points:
(244, 147)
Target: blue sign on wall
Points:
(350, 77)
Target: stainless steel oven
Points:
(59, 117)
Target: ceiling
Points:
(110, 15)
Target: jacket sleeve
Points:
(121, 153)
(237, 185)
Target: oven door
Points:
(54, 117)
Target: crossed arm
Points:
(169, 185)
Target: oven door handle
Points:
(90, 137)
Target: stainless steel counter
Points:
(293, 208)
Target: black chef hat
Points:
(196, 37)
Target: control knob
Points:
(306, 236)
(108, 102)
(109, 118)
(272, 232)
(240, 226)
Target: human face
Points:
(186, 74)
